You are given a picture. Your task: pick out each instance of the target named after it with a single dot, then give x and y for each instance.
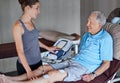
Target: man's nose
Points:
(87, 24)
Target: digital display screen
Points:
(61, 44)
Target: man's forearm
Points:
(105, 65)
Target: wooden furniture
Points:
(9, 50)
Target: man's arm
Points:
(88, 77)
(105, 65)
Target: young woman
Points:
(26, 39)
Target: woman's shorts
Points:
(21, 69)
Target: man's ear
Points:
(100, 25)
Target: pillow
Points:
(116, 20)
(114, 30)
(54, 35)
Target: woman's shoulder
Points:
(17, 23)
(17, 26)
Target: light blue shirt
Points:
(94, 49)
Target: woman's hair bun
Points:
(25, 3)
(21, 1)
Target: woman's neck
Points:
(26, 18)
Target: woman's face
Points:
(34, 10)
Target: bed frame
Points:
(8, 50)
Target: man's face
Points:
(93, 26)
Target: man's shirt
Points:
(94, 49)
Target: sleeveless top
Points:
(31, 45)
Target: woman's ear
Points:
(27, 7)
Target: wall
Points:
(7, 65)
(87, 6)
(105, 6)
(4, 15)
(9, 12)
(60, 15)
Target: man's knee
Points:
(53, 73)
(57, 75)
(57, 72)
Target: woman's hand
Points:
(53, 48)
(31, 75)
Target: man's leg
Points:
(38, 72)
(51, 77)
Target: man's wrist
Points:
(94, 74)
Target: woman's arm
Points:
(51, 49)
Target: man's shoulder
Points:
(106, 35)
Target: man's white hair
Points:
(100, 17)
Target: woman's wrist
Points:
(47, 48)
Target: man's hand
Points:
(87, 77)
(31, 75)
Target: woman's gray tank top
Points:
(31, 45)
